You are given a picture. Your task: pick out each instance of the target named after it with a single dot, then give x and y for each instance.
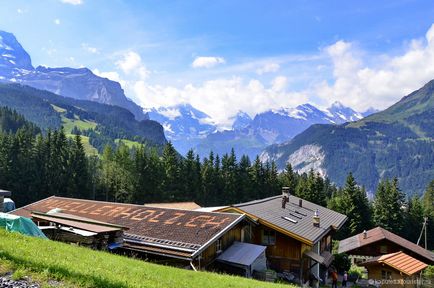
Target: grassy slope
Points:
(82, 267)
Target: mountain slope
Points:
(81, 83)
(102, 123)
(270, 127)
(395, 142)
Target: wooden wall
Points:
(374, 272)
(227, 239)
(285, 254)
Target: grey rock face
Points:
(80, 83)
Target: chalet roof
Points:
(399, 261)
(175, 205)
(294, 220)
(378, 234)
(174, 229)
(77, 222)
(243, 254)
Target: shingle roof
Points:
(399, 261)
(175, 205)
(182, 230)
(294, 219)
(378, 234)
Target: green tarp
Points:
(19, 224)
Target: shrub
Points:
(342, 262)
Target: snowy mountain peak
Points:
(241, 120)
(343, 113)
(81, 83)
(12, 54)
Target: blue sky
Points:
(225, 56)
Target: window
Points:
(218, 246)
(386, 275)
(383, 249)
(268, 237)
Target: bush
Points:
(355, 273)
(428, 273)
(342, 262)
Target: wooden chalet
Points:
(193, 236)
(297, 233)
(395, 270)
(379, 241)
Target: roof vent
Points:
(284, 200)
(315, 219)
(300, 202)
(365, 234)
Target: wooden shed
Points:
(394, 270)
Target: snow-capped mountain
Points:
(274, 126)
(183, 124)
(81, 83)
(241, 120)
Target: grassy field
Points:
(68, 124)
(130, 144)
(73, 266)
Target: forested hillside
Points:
(397, 142)
(101, 124)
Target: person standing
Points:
(334, 279)
(345, 279)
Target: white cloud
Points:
(360, 86)
(131, 63)
(268, 68)
(112, 75)
(221, 98)
(89, 48)
(20, 11)
(279, 83)
(72, 2)
(170, 113)
(207, 62)
(56, 21)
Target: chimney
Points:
(285, 193)
(300, 202)
(365, 234)
(315, 219)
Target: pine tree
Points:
(356, 206)
(388, 206)
(171, 183)
(289, 178)
(413, 219)
(428, 204)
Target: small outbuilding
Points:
(244, 258)
(379, 241)
(394, 269)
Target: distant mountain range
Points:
(16, 66)
(184, 125)
(188, 127)
(395, 142)
(99, 124)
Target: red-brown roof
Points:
(175, 205)
(190, 231)
(377, 234)
(76, 222)
(399, 261)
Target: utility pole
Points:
(425, 220)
